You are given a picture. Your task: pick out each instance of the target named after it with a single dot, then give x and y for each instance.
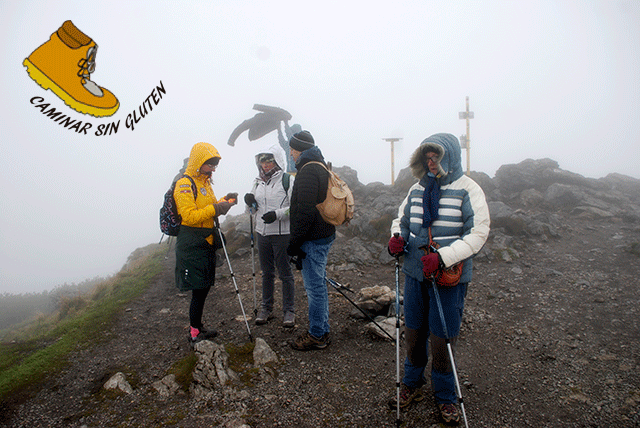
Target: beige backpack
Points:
(338, 206)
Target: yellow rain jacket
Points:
(197, 212)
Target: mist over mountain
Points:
(528, 199)
(550, 317)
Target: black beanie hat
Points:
(301, 141)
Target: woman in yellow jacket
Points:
(195, 249)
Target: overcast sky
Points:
(545, 78)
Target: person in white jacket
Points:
(270, 199)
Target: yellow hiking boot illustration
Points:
(64, 64)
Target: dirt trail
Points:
(551, 339)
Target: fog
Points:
(549, 78)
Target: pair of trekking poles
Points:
(446, 337)
(340, 287)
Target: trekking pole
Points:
(252, 211)
(233, 277)
(166, 256)
(340, 287)
(398, 422)
(449, 349)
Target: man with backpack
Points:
(311, 237)
(270, 198)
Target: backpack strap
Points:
(286, 179)
(194, 188)
(319, 163)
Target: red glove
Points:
(396, 245)
(430, 264)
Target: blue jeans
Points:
(313, 274)
(422, 315)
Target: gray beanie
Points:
(301, 141)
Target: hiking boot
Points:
(327, 338)
(449, 413)
(64, 64)
(408, 395)
(198, 335)
(307, 342)
(289, 320)
(263, 316)
(207, 334)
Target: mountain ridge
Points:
(549, 336)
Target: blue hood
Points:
(449, 152)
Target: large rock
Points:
(374, 301)
(166, 386)
(528, 174)
(387, 324)
(263, 354)
(119, 381)
(212, 369)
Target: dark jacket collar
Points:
(312, 154)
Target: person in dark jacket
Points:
(311, 237)
(195, 250)
(451, 208)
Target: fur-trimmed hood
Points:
(449, 153)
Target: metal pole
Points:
(233, 277)
(450, 351)
(468, 142)
(393, 174)
(398, 421)
(253, 262)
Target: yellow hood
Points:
(200, 153)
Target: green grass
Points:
(241, 361)
(183, 370)
(42, 349)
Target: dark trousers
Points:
(196, 308)
(272, 252)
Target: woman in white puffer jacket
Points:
(270, 199)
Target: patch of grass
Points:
(241, 361)
(42, 349)
(183, 370)
(240, 356)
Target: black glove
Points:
(297, 261)
(269, 217)
(250, 200)
(296, 256)
(292, 251)
(222, 208)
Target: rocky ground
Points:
(551, 338)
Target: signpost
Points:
(465, 139)
(392, 140)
